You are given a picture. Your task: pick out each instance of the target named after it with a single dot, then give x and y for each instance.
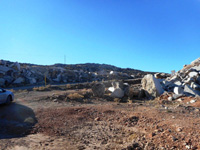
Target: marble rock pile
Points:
(19, 74)
(185, 82)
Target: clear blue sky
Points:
(150, 35)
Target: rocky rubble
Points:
(18, 74)
(185, 82)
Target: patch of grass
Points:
(130, 101)
(117, 100)
(68, 86)
(74, 96)
(42, 88)
(12, 90)
(22, 90)
(132, 137)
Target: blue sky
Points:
(150, 35)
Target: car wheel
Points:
(9, 100)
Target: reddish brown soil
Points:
(101, 124)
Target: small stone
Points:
(187, 146)
(55, 100)
(97, 119)
(180, 100)
(178, 129)
(173, 117)
(151, 135)
(176, 96)
(166, 107)
(170, 98)
(174, 138)
(192, 101)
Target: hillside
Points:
(19, 74)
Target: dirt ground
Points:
(48, 120)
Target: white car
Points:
(6, 97)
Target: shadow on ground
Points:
(16, 120)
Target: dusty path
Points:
(36, 121)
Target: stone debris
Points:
(185, 82)
(19, 74)
(179, 100)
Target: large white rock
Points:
(178, 83)
(117, 93)
(193, 74)
(152, 85)
(19, 80)
(178, 90)
(111, 89)
(113, 73)
(189, 80)
(189, 90)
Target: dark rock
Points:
(98, 89)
